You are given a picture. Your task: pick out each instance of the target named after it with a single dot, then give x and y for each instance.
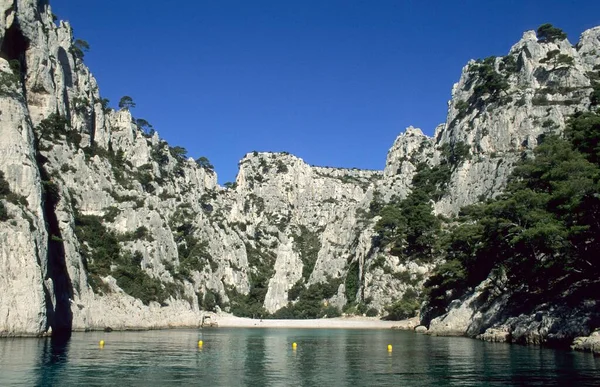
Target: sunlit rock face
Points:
(549, 82)
(101, 181)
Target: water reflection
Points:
(264, 357)
(255, 363)
(54, 357)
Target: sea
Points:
(266, 357)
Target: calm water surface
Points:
(263, 357)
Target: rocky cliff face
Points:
(107, 225)
(547, 82)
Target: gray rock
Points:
(281, 216)
(589, 343)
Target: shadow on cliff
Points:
(14, 46)
(59, 314)
(58, 311)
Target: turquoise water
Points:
(263, 357)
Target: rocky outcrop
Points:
(589, 343)
(495, 312)
(409, 150)
(546, 83)
(110, 226)
(539, 93)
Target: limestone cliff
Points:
(107, 225)
(549, 82)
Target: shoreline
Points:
(354, 322)
(589, 344)
(224, 320)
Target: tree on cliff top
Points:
(126, 102)
(79, 48)
(547, 33)
(203, 162)
(144, 125)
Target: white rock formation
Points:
(284, 219)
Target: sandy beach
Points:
(354, 322)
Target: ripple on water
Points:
(264, 357)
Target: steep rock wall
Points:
(85, 169)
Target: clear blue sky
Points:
(331, 81)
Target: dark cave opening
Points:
(14, 46)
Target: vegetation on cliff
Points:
(542, 232)
(408, 226)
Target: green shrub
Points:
(100, 250)
(17, 199)
(361, 308)
(139, 233)
(307, 244)
(310, 302)
(509, 64)
(403, 276)
(352, 282)
(378, 262)
(159, 156)
(99, 246)
(52, 127)
(595, 96)
(557, 58)
(408, 226)
(249, 305)
(15, 67)
(3, 213)
(111, 214)
(143, 125)
(285, 313)
(462, 107)
(193, 256)
(9, 82)
(4, 186)
(565, 59)
(329, 311)
(80, 104)
(449, 280)
(295, 291)
(487, 81)
(540, 100)
(51, 190)
(104, 104)
(145, 176)
(209, 301)
(405, 308)
(281, 167)
(138, 284)
(261, 263)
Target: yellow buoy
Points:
(200, 343)
(101, 343)
(294, 345)
(389, 347)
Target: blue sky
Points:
(331, 81)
